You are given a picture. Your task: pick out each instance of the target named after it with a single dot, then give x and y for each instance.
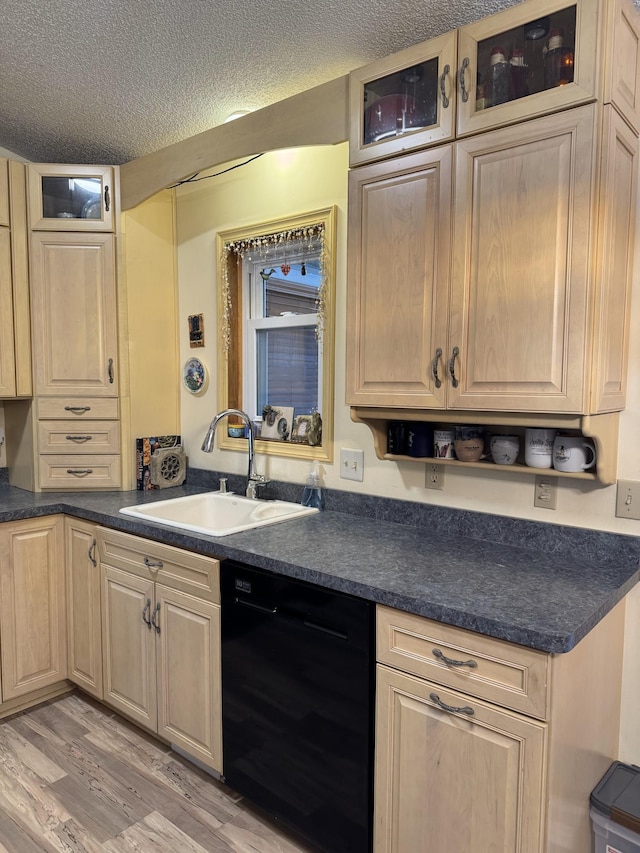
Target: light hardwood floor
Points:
(76, 777)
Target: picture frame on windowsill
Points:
(277, 422)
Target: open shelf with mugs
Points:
(598, 431)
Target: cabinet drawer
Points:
(182, 570)
(87, 437)
(509, 675)
(77, 407)
(79, 472)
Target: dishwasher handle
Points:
(252, 605)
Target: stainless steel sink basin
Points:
(216, 513)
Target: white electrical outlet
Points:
(546, 491)
(628, 499)
(352, 464)
(434, 476)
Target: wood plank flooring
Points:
(76, 777)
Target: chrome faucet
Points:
(253, 479)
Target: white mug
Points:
(573, 453)
(504, 449)
(538, 447)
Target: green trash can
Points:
(615, 810)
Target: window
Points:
(275, 305)
(282, 343)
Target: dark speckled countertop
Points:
(541, 585)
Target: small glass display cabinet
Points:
(71, 198)
(526, 59)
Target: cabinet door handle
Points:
(153, 564)
(110, 371)
(77, 410)
(465, 709)
(463, 92)
(451, 662)
(91, 553)
(107, 199)
(79, 472)
(452, 366)
(79, 437)
(445, 73)
(155, 618)
(147, 609)
(434, 364)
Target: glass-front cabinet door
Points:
(71, 198)
(404, 101)
(531, 59)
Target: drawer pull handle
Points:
(465, 709)
(79, 437)
(91, 553)
(79, 472)
(434, 368)
(463, 91)
(452, 366)
(443, 76)
(153, 564)
(472, 664)
(78, 410)
(155, 618)
(147, 608)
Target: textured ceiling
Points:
(106, 81)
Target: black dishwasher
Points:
(297, 704)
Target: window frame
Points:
(231, 340)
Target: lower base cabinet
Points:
(161, 642)
(84, 623)
(32, 605)
(485, 746)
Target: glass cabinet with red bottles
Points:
(531, 59)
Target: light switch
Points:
(352, 464)
(628, 499)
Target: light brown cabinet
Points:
(485, 745)
(15, 355)
(161, 631)
(74, 320)
(75, 343)
(508, 328)
(84, 624)
(32, 605)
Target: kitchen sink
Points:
(217, 513)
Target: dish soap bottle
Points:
(312, 492)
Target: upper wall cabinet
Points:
(404, 101)
(532, 59)
(71, 198)
(15, 342)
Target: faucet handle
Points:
(255, 483)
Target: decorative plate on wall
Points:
(194, 375)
